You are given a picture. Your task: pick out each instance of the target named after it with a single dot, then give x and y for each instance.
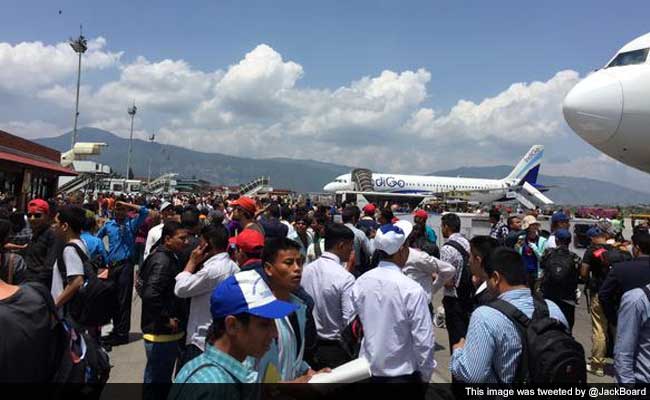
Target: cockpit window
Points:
(629, 58)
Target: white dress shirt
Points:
(420, 266)
(199, 287)
(398, 332)
(330, 285)
(153, 236)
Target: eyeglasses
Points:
(35, 215)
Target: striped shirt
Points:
(221, 368)
(493, 346)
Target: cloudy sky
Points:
(408, 87)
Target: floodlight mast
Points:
(131, 110)
(80, 46)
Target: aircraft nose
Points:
(594, 107)
(328, 187)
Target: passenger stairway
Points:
(362, 179)
(254, 186)
(78, 183)
(162, 184)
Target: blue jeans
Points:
(160, 361)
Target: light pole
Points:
(79, 46)
(151, 140)
(131, 110)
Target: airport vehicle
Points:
(521, 184)
(610, 110)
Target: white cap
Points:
(391, 237)
(164, 205)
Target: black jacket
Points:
(623, 276)
(40, 255)
(159, 304)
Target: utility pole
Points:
(151, 140)
(80, 46)
(131, 110)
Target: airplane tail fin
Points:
(528, 168)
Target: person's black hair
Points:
(274, 210)
(510, 265)
(74, 216)
(348, 214)
(218, 327)
(495, 214)
(169, 229)
(302, 216)
(641, 239)
(190, 219)
(512, 218)
(216, 235)
(387, 214)
(320, 218)
(563, 242)
(6, 228)
(178, 209)
(452, 221)
(89, 224)
(286, 213)
(484, 246)
(273, 246)
(335, 233)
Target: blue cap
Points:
(559, 217)
(595, 231)
(562, 234)
(246, 292)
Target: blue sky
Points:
(319, 78)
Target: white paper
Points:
(354, 371)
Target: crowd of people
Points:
(266, 291)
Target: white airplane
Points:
(519, 184)
(610, 109)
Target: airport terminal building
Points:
(28, 169)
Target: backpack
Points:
(96, 300)
(63, 359)
(560, 278)
(549, 353)
(465, 289)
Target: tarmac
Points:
(129, 360)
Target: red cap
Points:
(369, 209)
(249, 240)
(38, 206)
(246, 203)
(421, 214)
(395, 219)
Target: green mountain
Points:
(308, 175)
(298, 175)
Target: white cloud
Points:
(29, 65)
(31, 129)
(255, 107)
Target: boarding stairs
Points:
(254, 186)
(80, 182)
(162, 184)
(362, 179)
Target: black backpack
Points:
(96, 301)
(549, 353)
(560, 274)
(465, 289)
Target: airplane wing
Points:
(532, 191)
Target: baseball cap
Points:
(246, 203)
(559, 217)
(249, 240)
(595, 231)
(562, 234)
(421, 214)
(38, 206)
(369, 209)
(528, 221)
(391, 237)
(164, 205)
(246, 292)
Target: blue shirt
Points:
(214, 366)
(632, 349)
(431, 234)
(121, 236)
(95, 246)
(493, 345)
